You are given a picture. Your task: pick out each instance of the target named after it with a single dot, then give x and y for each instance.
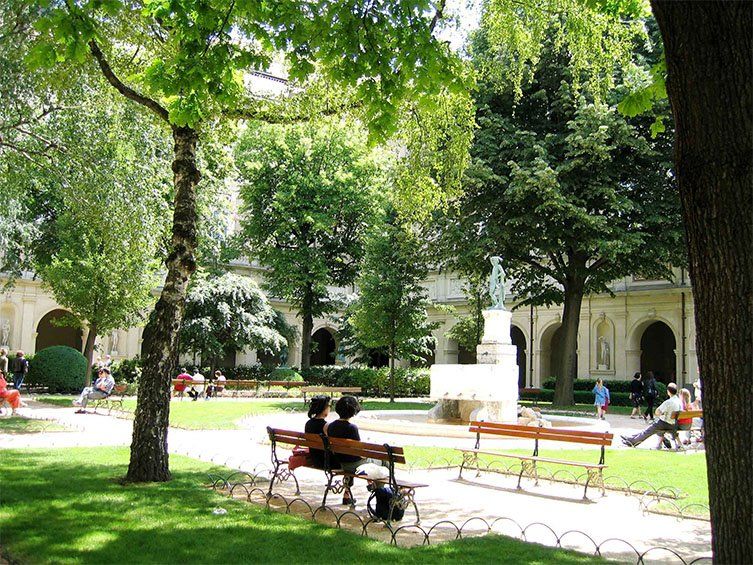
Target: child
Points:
(601, 399)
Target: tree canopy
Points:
(567, 191)
(390, 310)
(309, 194)
(229, 313)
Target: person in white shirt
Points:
(197, 385)
(665, 423)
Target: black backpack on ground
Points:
(383, 496)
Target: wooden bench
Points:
(687, 415)
(528, 462)
(236, 385)
(114, 401)
(405, 490)
(533, 392)
(354, 390)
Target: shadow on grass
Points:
(68, 506)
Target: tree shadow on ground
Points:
(68, 505)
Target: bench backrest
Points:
(331, 389)
(296, 438)
(363, 449)
(286, 384)
(120, 389)
(338, 445)
(536, 433)
(687, 414)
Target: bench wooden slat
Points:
(400, 482)
(365, 450)
(606, 439)
(376, 447)
(554, 431)
(535, 458)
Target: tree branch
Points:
(539, 267)
(126, 91)
(437, 15)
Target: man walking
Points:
(665, 423)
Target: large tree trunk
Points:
(568, 362)
(709, 52)
(308, 325)
(149, 458)
(89, 351)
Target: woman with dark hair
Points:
(650, 392)
(636, 395)
(346, 408)
(318, 412)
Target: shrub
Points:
(127, 370)
(59, 368)
(373, 382)
(250, 373)
(285, 374)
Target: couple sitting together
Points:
(346, 407)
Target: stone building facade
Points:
(644, 325)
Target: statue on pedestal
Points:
(497, 284)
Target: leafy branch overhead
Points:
(188, 62)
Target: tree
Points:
(101, 257)
(469, 330)
(709, 59)
(390, 310)
(185, 61)
(309, 192)
(569, 193)
(708, 49)
(229, 313)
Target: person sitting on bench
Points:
(12, 396)
(102, 388)
(346, 408)
(665, 423)
(318, 412)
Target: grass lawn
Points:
(684, 471)
(66, 506)
(21, 425)
(225, 414)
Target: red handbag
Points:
(299, 458)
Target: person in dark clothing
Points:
(636, 395)
(318, 412)
(650, 393)
(19, 366)
(346, 408)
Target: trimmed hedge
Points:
(374, 382)
(619, 392)
(59, 368)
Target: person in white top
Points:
(665, 423)
(197, 385)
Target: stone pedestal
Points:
(485, 391)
